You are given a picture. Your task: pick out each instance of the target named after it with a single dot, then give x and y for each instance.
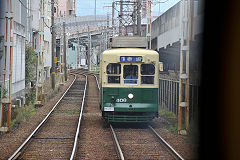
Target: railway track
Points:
(95, 141)
(61, 137)
(141, 143)
(56, 136)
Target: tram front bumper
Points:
(130, 112)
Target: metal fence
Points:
(169, 96)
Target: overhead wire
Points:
(27, 7)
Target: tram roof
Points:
(127, 51)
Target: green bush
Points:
(31, 63)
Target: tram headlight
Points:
(130, 96)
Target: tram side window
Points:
(113, 71)
(114, 68)
(147, 79)
(147, 70)
(113, 79)
(130, 72)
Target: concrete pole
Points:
(7, 68)
(89, 49)
(95, 10)
(138, 18)
(53, 69)
(40, 67)
(134, 18)
(107, 29)
(65, 50)
(120, 19)
(149, 23)
(113, 5)
(184, 76)
(61, 56)
(78, 52)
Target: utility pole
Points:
(78, 52)
(95, 9)
(107, 29)
(138, 18)
(64, 51)
(113, 5)
(184, 70)
(120, 18)
(134, 19)
(61, 55)
(149, 23)
(7, 68)
(89, 49)
(40, 67)
(53, 46)
(74, 6)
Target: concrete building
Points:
(65, 8)
(167, 31)
(167, 28)
(47, 33)
(19, 41)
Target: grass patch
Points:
(169, 120)
(22, 114)
(165, 113)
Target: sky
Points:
(86, 7)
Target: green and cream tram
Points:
(129, 85)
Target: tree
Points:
(31, 63)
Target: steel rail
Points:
(97, 81)
(79, 121)
(166, 144)
(113, 133)
(117, 143)
(43, 121)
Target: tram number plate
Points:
(108, 108)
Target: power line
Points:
(161, 2)
(26, 6)
(46, 24)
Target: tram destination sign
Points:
(130, 58)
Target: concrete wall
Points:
(72, 56)
(167, 28)
(166, 35)
(19, 40)
(63, 7)
(2, 31)
(47, 33)
(35, 15)
(18, 78)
